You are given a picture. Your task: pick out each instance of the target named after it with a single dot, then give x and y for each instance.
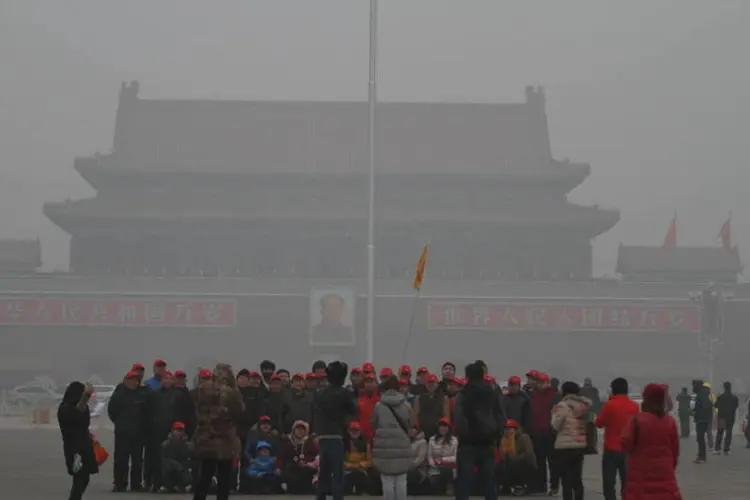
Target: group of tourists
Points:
(390, 432)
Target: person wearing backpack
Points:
(480, 423)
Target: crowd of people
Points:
(391, 433)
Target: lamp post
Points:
(372, 97)
(712, 303)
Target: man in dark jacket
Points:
(543, 397)
(592, 393)
(333, 408)
(684, 411)
(703, 412)
(297, 404)
(128, 410)
(274, 402)
(726, 406)
(517, 404)
(167, 406)
(480, 422)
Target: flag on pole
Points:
(725, 234)
(670, 240)
(419, 273)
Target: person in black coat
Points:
(128, 409)
(74, 420)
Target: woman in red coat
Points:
(653, 445)
(366, 402)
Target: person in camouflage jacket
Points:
(216, 445)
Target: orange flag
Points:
(725, 234)
(419, 273)
(670, 240)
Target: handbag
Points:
(100, 452)
(400, 423)
(592, 439)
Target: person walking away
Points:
(74, 419)
(441, 459)
(517, 404)
(517, 460)
(684, 412)
(703, 411)
(726, 406)
(417, 475)
(297, 404)
(652, 446)
(175, 461)
(479, 424)
(216, 445)
(333, 408)
(710, 432)
(391, 447)
(431, 406)
(569, 419)
(614, 418)
(542, 399)
(128, 410)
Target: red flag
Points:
(670, 240)
(725, 234)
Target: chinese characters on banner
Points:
(118, 312)
(541, 317)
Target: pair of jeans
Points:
(208, 469)
(571, 473)
(483, 458)
(724, 433)
(80, 483)
(128, 455)
(394, 486)
(613, 462)
(701, 429)
(331, 468)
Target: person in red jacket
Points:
(614, 418)
(653, 445)
(366, 402)
(542, 399)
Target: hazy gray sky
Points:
(653, 94)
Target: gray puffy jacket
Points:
(392, 448)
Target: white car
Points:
(99, 399)
(31, 395)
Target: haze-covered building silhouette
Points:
(280, 189)
(686, 265)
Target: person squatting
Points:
(335, 432)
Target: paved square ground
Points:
(32, 468)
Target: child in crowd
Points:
(175, 461)
(261, 432)
(441, 459)
(357, 462)
(262, 471)
(298, 460)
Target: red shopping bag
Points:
(100, 453)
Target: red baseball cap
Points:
(356, 369)
(386, 372)
(404, 381)
(264, 418)
(205, 374)
(422, 369)
(178, 425)
(444, 421)
(275, 376)
(180, 373)
(253, 375)
(310, 375)
(543, 377)
(368, 367)
(168, 374)
(432, 378)
(137, 366)
(160, 362)
(511, 423)
(405, 369)
(532, 374)
(355, 425)
(514, 380)
(490, 378)
(131, 375)
(298, 376)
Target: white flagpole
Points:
(372, 95)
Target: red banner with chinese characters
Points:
(570, 317)
(138, 312)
